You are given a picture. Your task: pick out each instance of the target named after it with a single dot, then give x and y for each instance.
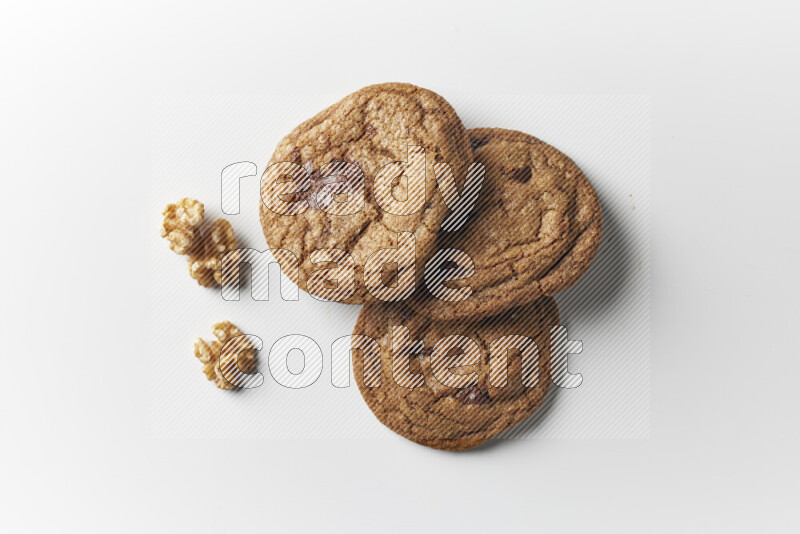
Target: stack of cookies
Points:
(356, 207)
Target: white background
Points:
(78, 83)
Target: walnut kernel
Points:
(181, 221)
(205, 259)
(214, 357)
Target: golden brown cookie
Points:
(421, 400)
(370, 129)
(534, 231)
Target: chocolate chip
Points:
(417, 350)
(521, 175)
(477, 143)
(472, 395)
(424, 353)
(406, 313)
(344, 178)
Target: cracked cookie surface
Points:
(370, 128)
(534, 231)
(476, 407)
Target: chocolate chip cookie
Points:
(534, 231)
(435, 383)
(320, 192)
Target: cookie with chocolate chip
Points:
(320, 190)
(534, 231)
(453, 384)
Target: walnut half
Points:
(181, 221)
(205, 246)
(216, 355)
(205, 260)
